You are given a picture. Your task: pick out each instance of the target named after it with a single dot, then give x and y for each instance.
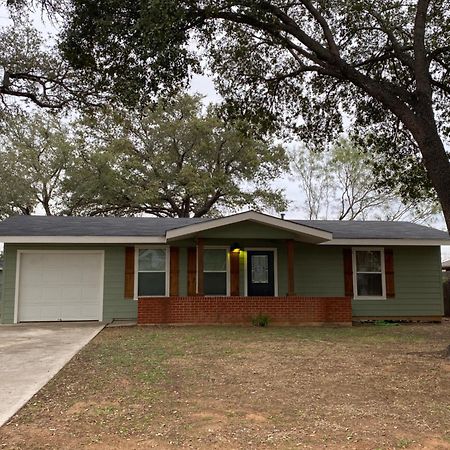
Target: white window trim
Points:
(211, 247)
(383, 274)
(17, 281)
(136, 266)
(275, 267)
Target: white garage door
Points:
(60, 286)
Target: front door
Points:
(260, 273)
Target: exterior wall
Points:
(114, 304)
(418, 286)
(8, 288)
(318, 273)
(318, 270)
(246, 231)
(241, 310)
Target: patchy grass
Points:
(244, 387)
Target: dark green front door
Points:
(260, 273)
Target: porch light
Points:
(235, 247)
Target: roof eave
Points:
(304, 233)
(387, 242)
(83, 239)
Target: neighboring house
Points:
(225, 270)
(446, 286)
(1, 280)
(446, 265)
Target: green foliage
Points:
(35, 151)
(173, 160)
(385, 323)
(301, 66)
(32, 70)
(340, 184)
(261, 320)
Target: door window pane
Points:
(260, 269)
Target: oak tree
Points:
(35, 152)
(304, 64)
(174, 160)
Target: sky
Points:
(204, 85)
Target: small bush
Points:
(385, 323)
(261, 320)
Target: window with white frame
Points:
(368, 265)
(152, 265)
(215, 273)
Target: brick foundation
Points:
(240, 310)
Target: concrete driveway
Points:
(31, 354)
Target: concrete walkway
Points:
(32, 354)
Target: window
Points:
(369, 273)
(152, 272)
(260, 269)
(215, 271)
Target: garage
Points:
(59, 286)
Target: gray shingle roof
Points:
(150, 226)
(90, 226)
(372, 229)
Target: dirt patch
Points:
(235, 387)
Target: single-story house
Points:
(219, 270)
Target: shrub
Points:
(261, 320)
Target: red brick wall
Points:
(240, 310)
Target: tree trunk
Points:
(437, 163)
(46, 206)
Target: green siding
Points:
(418, 286)
(115, 306)
(318, 272)
(246, 230)
(9, 282)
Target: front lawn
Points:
(374, 387)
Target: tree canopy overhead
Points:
(303, 64)
(35, 153)
(175, 160)
(33, 69)
(339, 184)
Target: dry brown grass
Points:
(237, 387)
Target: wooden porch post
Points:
(174, 270)
(290, 266)
(234, 273)
(200, 268)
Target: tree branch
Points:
(421, 65)
(324, 25)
